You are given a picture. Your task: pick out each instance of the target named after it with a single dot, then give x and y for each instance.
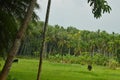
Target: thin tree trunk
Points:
(17, 42)
(43, 41)
(69, 51)
(45, 50)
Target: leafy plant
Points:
(113, 64)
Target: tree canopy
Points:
(99, 7)
(12, 13)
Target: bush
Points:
(36, 53)
(99, 59)
(82, 59)
(113, 64)
(55, 58)
(118, 55)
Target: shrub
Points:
(113, 64)
(99, 59)
(36, 53)
(82, 59)
(118, 55)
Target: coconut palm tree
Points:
(99, 7)
(12, 13)
(16, 44)
(43, 40)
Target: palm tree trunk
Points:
(43, 41)
(17, 42)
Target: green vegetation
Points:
(12, 14)
(15, 16)
(26, 69)
(98, 46)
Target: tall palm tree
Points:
(16, 44)
(43, 39)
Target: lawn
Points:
(26, 69)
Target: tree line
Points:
(15, 16)
(70, 40)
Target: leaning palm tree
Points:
(12, 13)
(16, 44)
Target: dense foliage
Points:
(98, 46)
(12, 13)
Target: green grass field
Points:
(26, 69)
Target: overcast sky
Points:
(77, 13)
